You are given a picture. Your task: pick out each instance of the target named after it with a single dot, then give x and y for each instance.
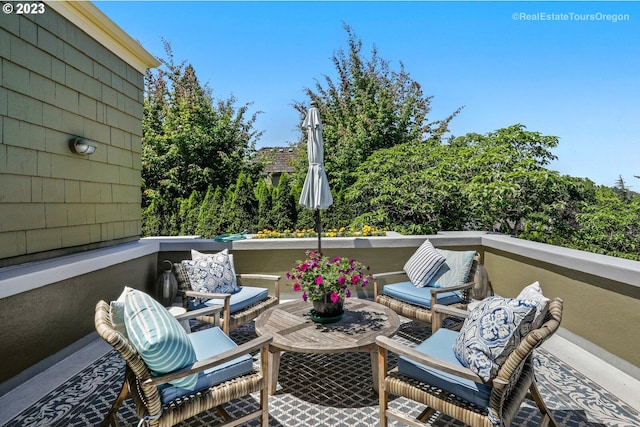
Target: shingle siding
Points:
(58, 82)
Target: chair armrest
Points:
(206, 295)
(435, 291)
(450, 311)
(258, 276)
(385, 275)
(218, 359)
(433, 362)
(216, 309)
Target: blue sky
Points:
(573, 72)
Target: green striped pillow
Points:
(159, 338)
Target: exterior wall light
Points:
(82, 146)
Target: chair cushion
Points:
(533, 294)
(440, 345)
(405, 291)
(207, 343)
(423, 264)
(212, 274)
(455, 270)
(248, 295)
(493, 329)
(157, 336)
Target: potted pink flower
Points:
(326, 282)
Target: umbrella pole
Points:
(318, 230)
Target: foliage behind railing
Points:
(332, 232)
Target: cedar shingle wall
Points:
(56, 82)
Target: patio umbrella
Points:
(316, 194)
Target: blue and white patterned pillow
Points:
(423, 264)
(455, 270)
(533, 295)
(212, 273)
(494, 328)
(158, 337)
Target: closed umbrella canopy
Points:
(316, 194)
(315, 191)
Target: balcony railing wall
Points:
(49, 305)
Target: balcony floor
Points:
(324, 390)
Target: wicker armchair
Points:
(514, 382)
(235, 311)
(151, 405)
(476, 287)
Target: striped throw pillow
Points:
(159, 338)
(423, 264)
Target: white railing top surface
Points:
(25, 277)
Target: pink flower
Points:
(347, 293)
(354, 279)
(296, 287)
(334, 297)
(336, 259)
(342, 280)
(304, 296)
(319, 280)
(304, 267)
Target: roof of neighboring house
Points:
(278, 159)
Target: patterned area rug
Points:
(328, 390)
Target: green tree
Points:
(283, 214)
(412, 188)
(264, 194)
(210, 217)
(508, 180)
(190, 140)
(367, 108)
(243, 207)
(188, 213)
(623, 190)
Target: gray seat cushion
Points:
(440, 345)
(405, 291)
(207, 343)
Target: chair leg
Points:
(264, 392)
(112, 415)
(546, 417)
(383, 396)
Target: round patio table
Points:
(293, 330)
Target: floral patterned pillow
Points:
(212, 274)
(494, 328)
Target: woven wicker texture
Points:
(515, 381)
(146, 396)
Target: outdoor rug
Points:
(328, 390)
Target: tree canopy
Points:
(390, 165)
